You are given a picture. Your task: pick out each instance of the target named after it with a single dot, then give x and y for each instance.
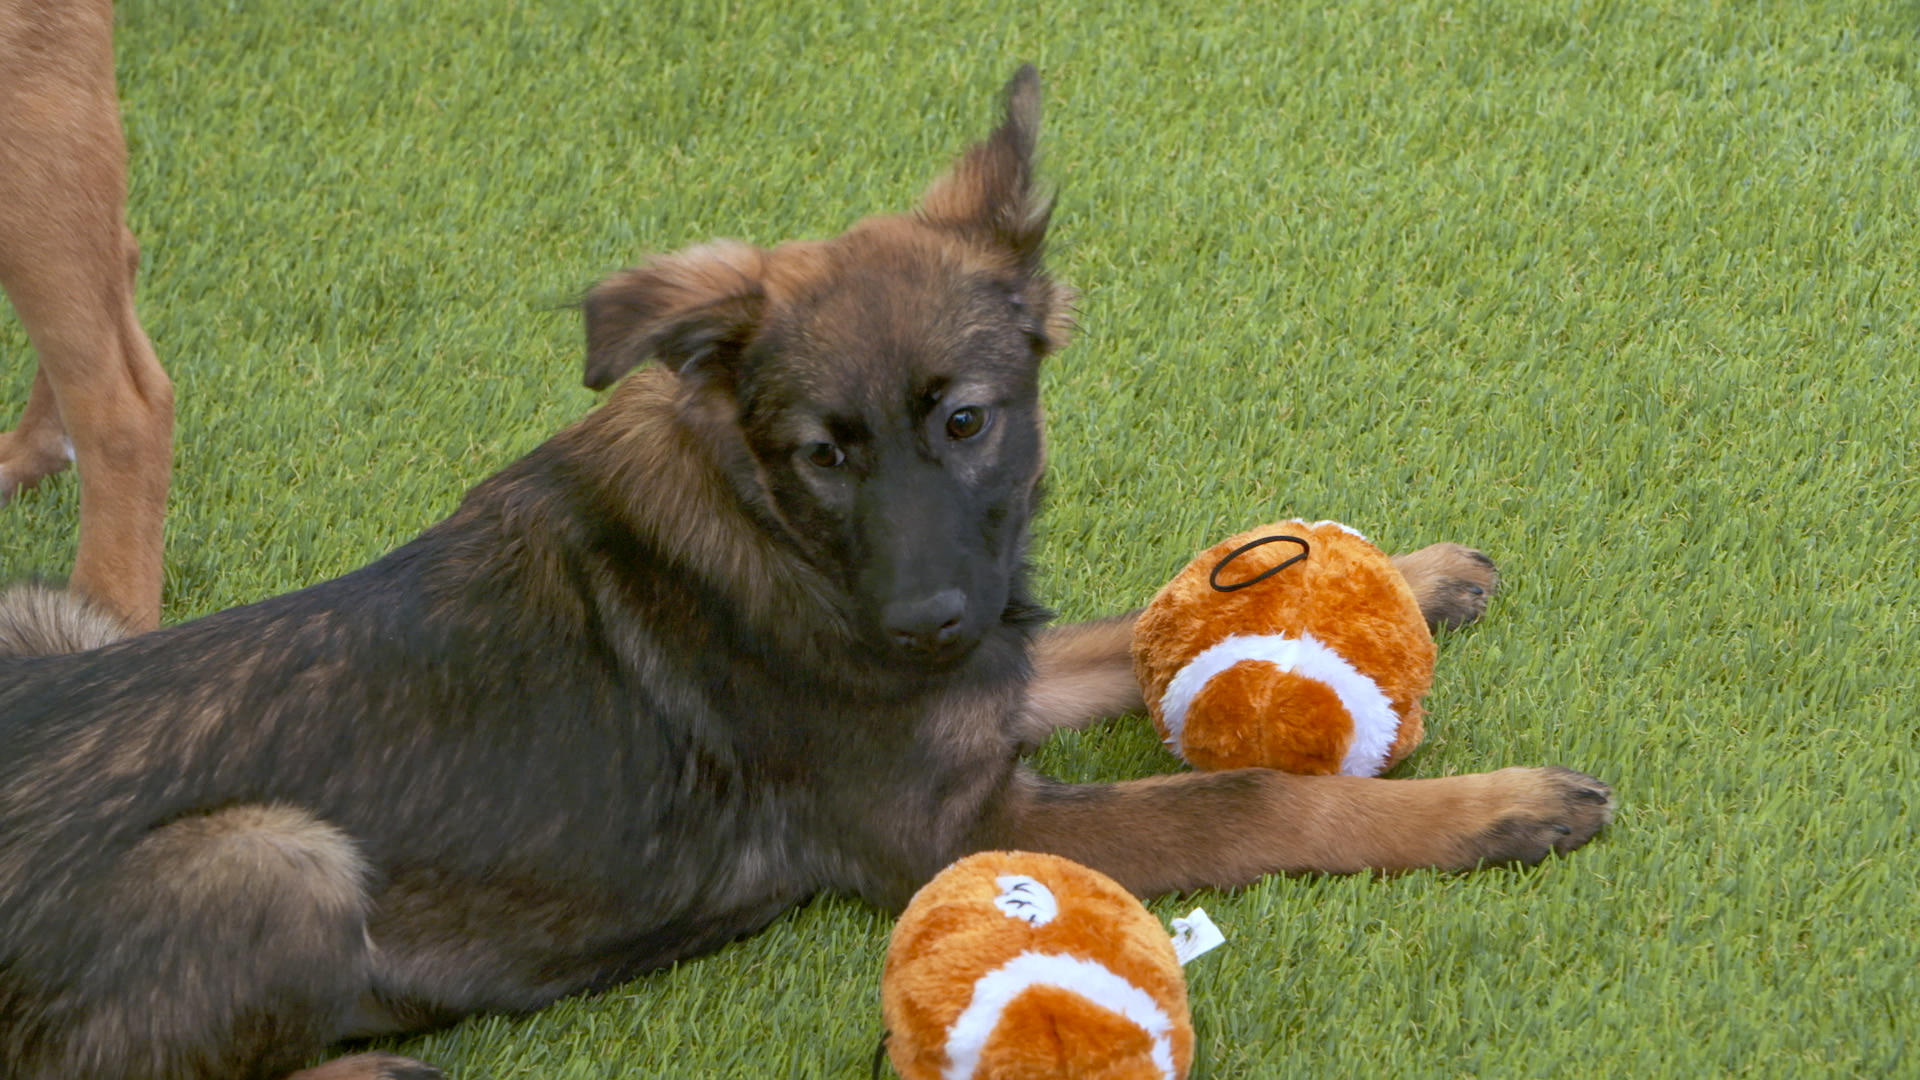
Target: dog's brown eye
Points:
(966, 423)
(825, 455)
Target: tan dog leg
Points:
(38, 447)
(1222, 829)
(1082, 672)
(67, 261)
(370, 1067)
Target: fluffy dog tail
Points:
(38, 620)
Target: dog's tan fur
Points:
(67, 261)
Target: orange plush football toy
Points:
(1294, 646)
(1019, 966)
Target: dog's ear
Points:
(693, 310)
(990, 193)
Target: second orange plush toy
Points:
(1021, 966)
(1294, 646)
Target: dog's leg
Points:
(37, 447)
(1082, 672)
(232, 944)
(1224, 829)
(67, 261)
(1453, 583)
(370, 1067)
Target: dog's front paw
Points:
(1541, 811)
(1452, 582)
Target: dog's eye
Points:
(965, 423)
(824, 455)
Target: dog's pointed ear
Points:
(693, 310)
(990, 193)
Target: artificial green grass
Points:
(1624, 294)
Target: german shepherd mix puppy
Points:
(757, 627)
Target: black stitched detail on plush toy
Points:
(1213, 579)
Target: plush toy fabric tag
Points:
(1195, 935)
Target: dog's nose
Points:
(926, 624)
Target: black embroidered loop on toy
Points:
(1213, 579)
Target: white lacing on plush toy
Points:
(1097, 983)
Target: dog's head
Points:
(876, 395)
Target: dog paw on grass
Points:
(1453, 583)
(1544, 811)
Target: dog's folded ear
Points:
(990, 193)
(692, 309)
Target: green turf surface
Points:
(1625, 294)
